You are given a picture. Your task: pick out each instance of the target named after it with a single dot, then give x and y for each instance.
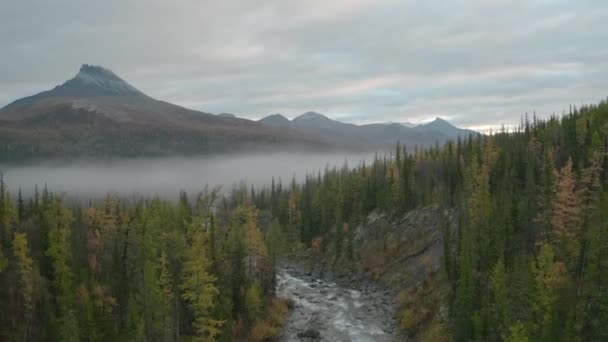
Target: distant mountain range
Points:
(371, 135)
(98, 114)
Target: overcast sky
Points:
(473, 62)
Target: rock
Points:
(310, 333)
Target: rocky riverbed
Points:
(330, 307)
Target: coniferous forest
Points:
(529, 261)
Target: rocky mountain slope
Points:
(408, 255)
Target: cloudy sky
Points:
(475, 62)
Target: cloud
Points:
(480, 63)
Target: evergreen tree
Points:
(59, 219)
(165, 285)
(199, 289)
(548, 278)
(26, 285)
(501, 319)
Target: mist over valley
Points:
(165, 177)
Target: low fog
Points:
(166, 176)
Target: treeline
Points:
(152, 270)
(530, 257)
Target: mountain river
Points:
(341, 309)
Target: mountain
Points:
(275, 120)
(227, 115)
(98, 114)
(312, 121)
(442, 126)
(312, 118)
(91, 81)
(370, 136)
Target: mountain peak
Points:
(90, 81)
(277, 116)
(445, 127)
(96, 73)
(437, 123)
(89, 69)
(97, 80)
(311, 116)
(275, 120)
(440, 120)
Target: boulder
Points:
(310, 333)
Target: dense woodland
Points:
(146, 271)
(530, 257)
(529, 261)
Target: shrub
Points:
(263, 331)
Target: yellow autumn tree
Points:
(566, 217)
(199, 290)
(257, 253)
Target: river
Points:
(327, 311)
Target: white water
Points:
(337, 313)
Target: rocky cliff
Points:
(407, 254)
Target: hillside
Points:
(97, 114)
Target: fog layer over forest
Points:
(166, 176)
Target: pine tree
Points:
(199, 289)
(276, 249)
(594, 289)
(500, 299)
(20, 207)
(253, 302)
(165, 285)
(294, 223)
(3, 260)
(59, 219)
(464, 301)
(567, 214)
(542, 220)
(549, 275)
(257, 253)
(26, 284)
(516, 333)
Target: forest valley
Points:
(528, 260)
